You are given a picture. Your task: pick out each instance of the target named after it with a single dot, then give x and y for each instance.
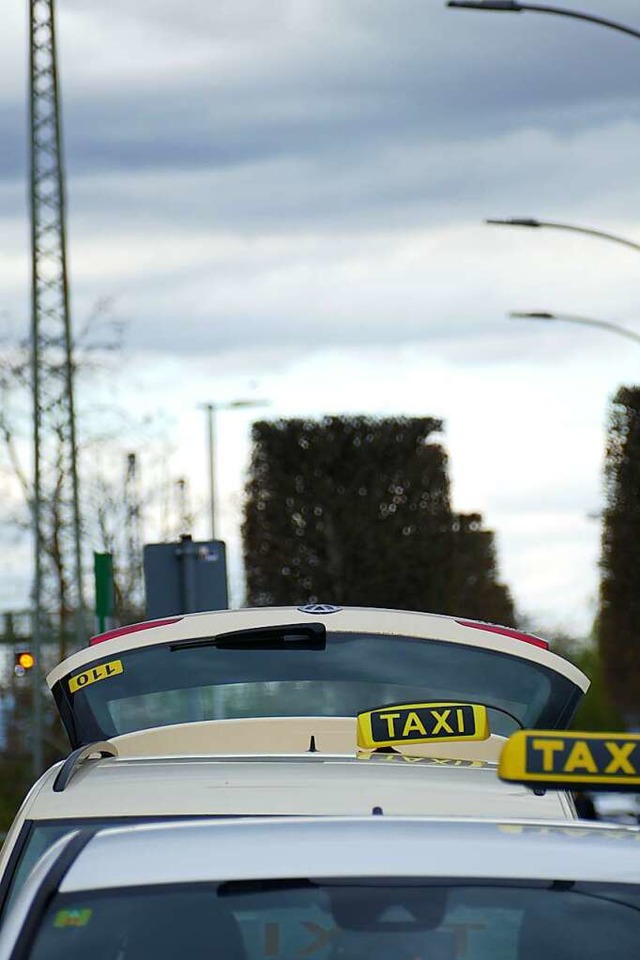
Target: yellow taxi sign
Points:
(571, 760)
(406, 723)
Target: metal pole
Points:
(36, 505)
(55, 493)
(187, 555)
(210, 410)
(69, 365)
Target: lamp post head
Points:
(246, 403)
(584, 321)
(516, 222)
(234, 405)
(507, 6)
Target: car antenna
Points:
(312, 745)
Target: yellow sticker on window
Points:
(102, 672)
(72, 918)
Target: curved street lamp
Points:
(572, 318)
(210, 410)
(508, 6)
(530, 222)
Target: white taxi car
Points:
(383, 774)
(263, 712)
(347, 889)
(316, 661)
(353, 888)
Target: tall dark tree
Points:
(356, 510)
(619, 613)
(476, 591)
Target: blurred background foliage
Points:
(598, 709)
(357, 511)
(618, 626)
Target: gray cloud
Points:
(314, 79)
(332, 85)
(281, 188)
(254, 173)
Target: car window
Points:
(37, 841)
(340, 920)
(41, 835)
(167, 683)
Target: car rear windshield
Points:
(346, 920)
(164, 684)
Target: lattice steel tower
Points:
(55, 505)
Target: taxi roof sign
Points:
(572, 760)
(405, 723)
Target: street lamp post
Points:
(210, 410)
(572, 318)
(509, 6)
(589, 231)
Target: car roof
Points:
(348, 847)
(297, 785)
(285, 735)
(389, 623)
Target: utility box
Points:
(185, 577)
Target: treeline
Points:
(618, 623)
(357, 511)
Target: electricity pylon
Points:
(55, 497)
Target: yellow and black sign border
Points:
(572, 760)
(442, 711)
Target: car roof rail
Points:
(101, 747)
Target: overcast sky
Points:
(284, 199)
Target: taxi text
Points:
(422, 722)
(570, 759)
(600, 757)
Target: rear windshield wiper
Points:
(289, 636)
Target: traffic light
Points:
(23, 661)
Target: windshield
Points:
(36, 838)
(154, 686)
(346, 920)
